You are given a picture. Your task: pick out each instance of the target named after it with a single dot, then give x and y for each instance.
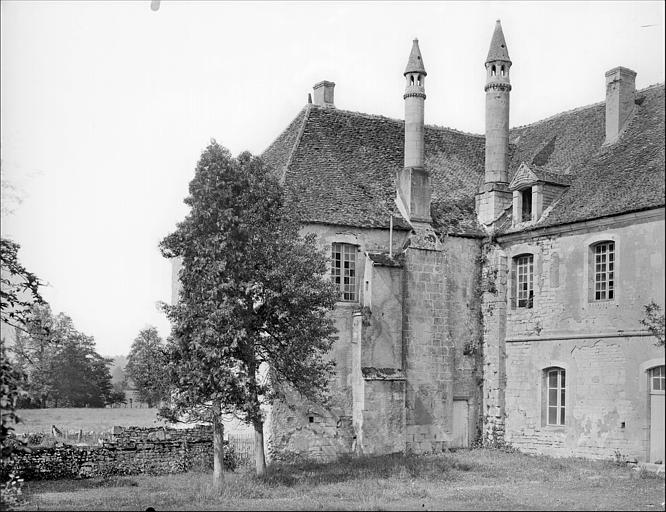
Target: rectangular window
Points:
(524, 287)
(556, 396)
(343, 270)
(604, 271)
(658, 378)
(527, 205)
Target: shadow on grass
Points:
(439, 467)
(71, 485)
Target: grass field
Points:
(96, 420)
(463, 480)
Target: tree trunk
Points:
(218, 450)
(259, 456)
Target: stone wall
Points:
(132, 450)
(600, 344)
(441, 330)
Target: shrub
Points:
(11, 491)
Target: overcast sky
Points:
(106, 107)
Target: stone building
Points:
(491, 286)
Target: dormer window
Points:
(526, 207)
(534, 190)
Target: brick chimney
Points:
(323, 94)
(620, 96)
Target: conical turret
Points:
(498, 49)
(415, 62)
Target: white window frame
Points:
(561, 398)
(604, 271)
(347, 254)
(657, 375)
(524, 261)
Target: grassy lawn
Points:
(463, 480)
(88, 419)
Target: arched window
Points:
(343, 270)
(411, 79)
(418, 80)
(502, 70)
(602, 267)
(493, 70)
(555, 390)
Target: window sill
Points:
(347, 304)
(554, 428)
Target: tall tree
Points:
(19, 290)
(145, 366)
(254, 295)
(61, 363)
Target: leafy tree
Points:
(62, 365)
(653, 320)
(254, 295)
(117, 395)
(34, 350)
(19, 289)
(145, 366)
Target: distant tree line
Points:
(61, 365)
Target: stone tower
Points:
(413, 181)
(494, 195)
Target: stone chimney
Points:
(323, 94)
(620, 96)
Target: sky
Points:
(106, 106)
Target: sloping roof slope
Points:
(341, 168)
(605, 180)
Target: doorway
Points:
(460, 434)
(657, 376)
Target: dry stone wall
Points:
(132, 451)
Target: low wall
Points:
(131, 451)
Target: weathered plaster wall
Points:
(562, 280)
(607, 407)
(440, 322)
(601, 345)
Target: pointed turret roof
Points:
(415, 62)
(498, 49)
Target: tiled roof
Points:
(341, 166)
(605, 180)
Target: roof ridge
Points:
(299, 136)
(385, 118)
(282, 132)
